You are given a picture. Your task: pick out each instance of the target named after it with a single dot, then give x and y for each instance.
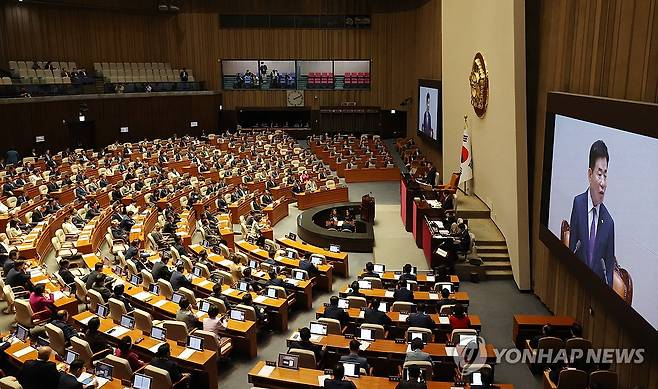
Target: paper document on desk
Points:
(396, 276)
(101, 381)
(58, 295)
(451, 351)
(229, 291)
(295, 336)
(444, 232)
(430, 278)
(389, 294)
(265, 371)
(442, 253)
(291, 281)
(434, 203)
(316, 337)
(198, 314)
(188, 352)
(85, 321)
(156, 347)
(204, 283)
(160, 303)
(434, 296)
(340, 223)
(363, 345)
(24, 351)
(45, 281)
(118, 331)
(84, 377)
(260, 299)
(362, 314)
(35, 273)
(403, 317)
(322, 378)
(142, 295)
(408, 347)
(444, 320)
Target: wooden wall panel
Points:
(603, 48)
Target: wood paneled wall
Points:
(603, 48)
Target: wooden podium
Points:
(368, 208)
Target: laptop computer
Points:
(243, 286)
(379, 268)
(352, 369)
(21, 333)
(343, 303)
(366, 334)
(135, 279)
(334, 248)
(141, 381)
(445, 286)
(318, 328)
(102, 310)
(70, 356)
(298, 275)
(272, 293)
(154, 288)
(237, 314)
(292, 236)
(383, 307)
(204, 306)
(195, 343)
(197, 271)
(290, 254)
(288, 361)
(176, 297)
(127, 322)
(316, 261)
(365, 284)
(158, 333)
(253, 264)
(466, 339)
(103, 370)
(417, 335)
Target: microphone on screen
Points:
(605, 271)
(575, 250)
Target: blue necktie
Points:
(592, 238)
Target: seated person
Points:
(124, 350)
(133, 249)
(19, 277)
(276, 281)
(213, 323)
(370, 271)
(354, 290)
(354, 357)
(39, 373)
(546, 331)
(305, 344)
(246, 277)
(61, 320)
(185, 314)
(445, 299)
(421, 319)
(337, 382)
(178, 279)
(42, 304)
(70, 379)
(99, 286)
(306, 264)
(217, 293)
(160, 269)
(402, 293)
(406, 273)
(417, 353)
(164, 361)
(66, 274)
(118, 293)
(413, 382)
(261, 316)
(373, 315)
(458, 319)
(95, 337)
(334, 312)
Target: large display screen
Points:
(429, 110)
(603, 204)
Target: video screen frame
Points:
(438, 115)
(630, 116)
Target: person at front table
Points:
(444, 300)
(40, 373)
(354, 357)
(37, 215)
(246, 277)
(42, 306)
(421, 319)
(95, 337)
(337, 382)
(18, 277)
(178, 279)
(402, 293)
(305, 343)
(432, 175)
(373, 315)
(592, 228)
(417, 354)
(297, 188)
(310, 186)
(266, 198)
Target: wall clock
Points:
(295, 98)
(479, 80)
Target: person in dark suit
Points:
(251, 282)
(592, 229)
(306, 264)
(17, 276)
(164, 361)
(118, 293)
(334, 312)
(402, 293)
(178, 279)
(421, 319)
(430, 177)
(80, 192)
(39, 373)
(426, 126)
(406, 273)
(305, 344)
(373, 315)
(69, 380)
(445, 300)
(160, 269)
(417, 353)
(37, 215)
(90, 279)
(276, 281)
(353, 290)
(354, 357)
(100, 287)
(337, 382)
(133, 249)
(413, 381)
(546, 331)
(94, 337)
(184, 76)
(370, 270)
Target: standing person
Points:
(184, 76)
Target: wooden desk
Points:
(339, 260)
(528, 326)
(372, 174)
(324, 281)
(239, 208)
(419, 296)
(203, 362)
(282, 378)
(65, 301)
(276, 211)
(19, 361)
(420, 210)
(425, 282)
(321, 197)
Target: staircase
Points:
(490, 242)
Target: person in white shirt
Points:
(213, 323)
(70, 228)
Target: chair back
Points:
(456, 334)
(227, 278)
(57, 339)
(306, 358)
(143, 320)
(121, 369)
(446, 309)
(333, 325)
(218, 303)
(280, 291)
(176, 330)
(95, 298)
(250, 312)
(23, 309)
(80, 290)
(243, 258)
(117, 309)
(413, 285)
(427, 333)
(147, 278)
(378, 331)
(205, 272)
(210, 341)
(189, 295)
(357, 302)
(187, 262)
(375, 282)
(402, 306)
(224, 250)
(159, 377)
(605, 379)
(10, 382)
(572, 379)
(424, 366)
(166, 289)
(175, 255)
(550, 343)
(82, 347)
